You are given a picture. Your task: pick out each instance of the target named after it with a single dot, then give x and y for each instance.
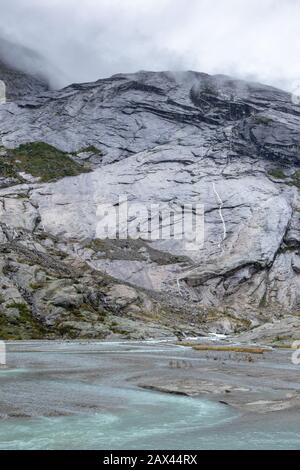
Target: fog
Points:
(74, 41)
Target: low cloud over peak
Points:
(85, 41)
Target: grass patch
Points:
(263, 301)
(263, 120)
(240, 324)
(296, 179)
(7, 170)
(23, 309)
(238, 349)
(68, 331)
(36, 285)
(41, 161)
(118, 330)
(24, 327)
(129, 249)
(283, 342)
(90, 149)
(85, 313)
(277, 173)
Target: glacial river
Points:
(75, 396)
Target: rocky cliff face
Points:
(19, 84)
(157, 138)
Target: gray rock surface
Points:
(171, 139)
(19, 84)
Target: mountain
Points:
(20, 84)
(161, 138)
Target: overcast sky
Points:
(91, 39)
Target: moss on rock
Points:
(277, 173)
(40, 160)
(23, 327)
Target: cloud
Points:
(83, 41)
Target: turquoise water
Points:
(151, 420)
(89, 386)
(147, 419)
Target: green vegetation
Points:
(130, 249)
(44, 161)
(23, 310)
(277, 173)
(238, 349)
(25, 326)
(263, 301)
(39, 160)
(36, 285)
(68, 331)
(287, 248)
(284, 342)
(7, 170)
(265, 120)
(240, 323)
(296, 179)
(90, 149)
(83, 313)
(118, 330)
